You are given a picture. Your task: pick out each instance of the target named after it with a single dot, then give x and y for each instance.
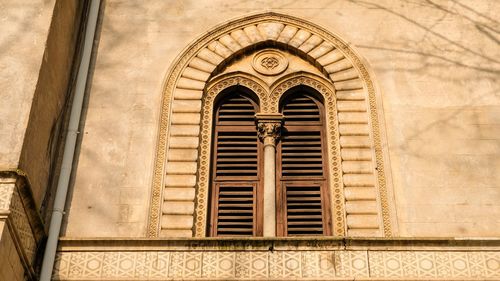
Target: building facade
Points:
(233, 140)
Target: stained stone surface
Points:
(434, 64)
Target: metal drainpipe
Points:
(69, 145)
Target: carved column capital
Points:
(269, 127)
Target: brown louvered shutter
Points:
(235, 169)
(303, 205)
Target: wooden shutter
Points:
(235, 168)
(303, 197)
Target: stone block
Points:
(343, 75)
(368, 207)
(240, 37)
(210, 56)
(253, 33)
(300, 37)
(175, 168)
(195, 74)
(186, 118)
(355, 142)
(354, 129)
(321, 50)
(356, 154)
(220, 49)
(311, 43)
(357, 167)
(182, 154)
(178, 208)
(186, 106)
(270, 30)
(176, 233)
(183, 142)
(356, 106)
(339, 65)
(179, 193)
(185, 130)
(353, 117)
(186, 94)
(358, 180)
(354, 84)
(363, 221)
(202, 65)
(331, 57)
(184, 222)
(180, 180)
(359, 94)
(360, 193)
(287, 33)
(364, 232)
(230, 43)
(190, 84)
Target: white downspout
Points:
(69, 145)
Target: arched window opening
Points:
(236, 185)
(302, 185)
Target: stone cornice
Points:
(280, 243)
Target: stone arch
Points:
(186, 84)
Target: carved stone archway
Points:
(186, 85)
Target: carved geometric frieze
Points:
(277, 265)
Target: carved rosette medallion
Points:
(269, 62)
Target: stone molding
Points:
(278, 259)
(190, 72)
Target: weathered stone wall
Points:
(23, 34)
(37, 45)
(435, 65)
(43, 136)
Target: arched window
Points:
(302, 185)
(235, 183)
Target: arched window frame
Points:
(220, 223)
(305, 180)
(191, 74)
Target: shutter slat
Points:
(302, 158)
(235, 209)
(236, 157)
(304, 209)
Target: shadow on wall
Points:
(471, 59)
(456, 46)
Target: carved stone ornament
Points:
(270, 27)
(269, 62)
(269, 132)
(269, 127)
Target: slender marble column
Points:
(269, 128)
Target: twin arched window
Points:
(302, 203)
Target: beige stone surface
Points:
(436, 68)
(23, 34)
